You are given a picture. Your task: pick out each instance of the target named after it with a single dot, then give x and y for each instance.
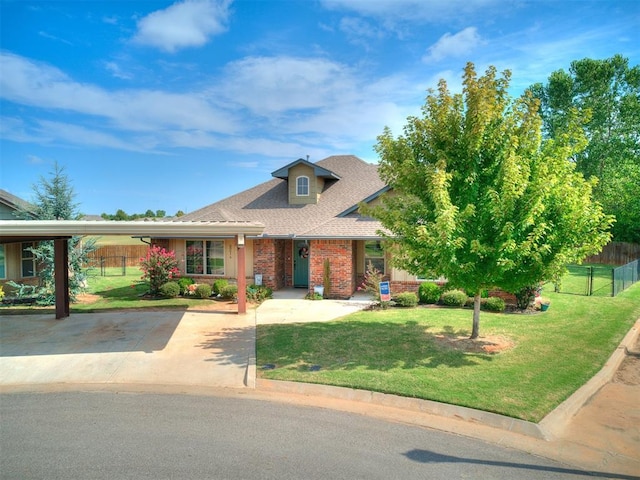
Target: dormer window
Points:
(302, 186)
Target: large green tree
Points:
(606, 95)
(54, 200)
(477, 196)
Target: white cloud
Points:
(390, 11)
(35, 160)
(30, 83)
(116, 71)
(453, 46)
(53, 37)
(269, 85)
(270, 106)
(359, 31)
(189, 23)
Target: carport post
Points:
(61, 269)
(242, 279)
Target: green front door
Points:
(301, 264)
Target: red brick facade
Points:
(270, 261)
(342, 266)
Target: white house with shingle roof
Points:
(310, 215)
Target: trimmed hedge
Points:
(492, 304)
(429, 292)
(203, 290)
(170, 289)
(229, 291)
(454, 298)
(406, 299)
(219, 285)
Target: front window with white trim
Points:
(302, 186)
(204, 257)
(28, 260)
(374, 254)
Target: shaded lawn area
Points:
(412, 352)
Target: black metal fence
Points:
(113, 266)
(599, 280)
(586, 280)
(625, 276)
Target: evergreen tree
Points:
(54, 200)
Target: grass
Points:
(409, 351)
(116, 240)
(402, 352)
(115, 292)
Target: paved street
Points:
(110, 435)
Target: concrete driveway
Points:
(142, 347)
(190, 348)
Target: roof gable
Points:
(268, 203)
(318, 171)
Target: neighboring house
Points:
(17, 263)
(310, 214)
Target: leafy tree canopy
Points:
(606, 95)
(479, 198)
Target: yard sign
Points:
(385, 292)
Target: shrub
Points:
(371, 283)
(429, 292)
(158, 267)
(313, 296)
(203, 290)
(184, 282)
(493, 304)
(406, 299)
(169, 289)
(454, 298)
(258, 293)
(219, 284)
(229, 291)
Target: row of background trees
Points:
(121, 215)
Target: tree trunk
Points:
(476, 316)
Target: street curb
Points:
(417, 405)
(549, 428)
(556, 421)
(250, 373)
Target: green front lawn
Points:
(115, 291)
(422, 352)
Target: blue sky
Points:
(174, 105)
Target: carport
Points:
(60, 231)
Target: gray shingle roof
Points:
(268, 204)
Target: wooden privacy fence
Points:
(131, 254)
(616, 253)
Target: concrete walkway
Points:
(197, 351)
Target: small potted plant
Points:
(542, 303)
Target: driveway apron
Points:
(159, 347)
